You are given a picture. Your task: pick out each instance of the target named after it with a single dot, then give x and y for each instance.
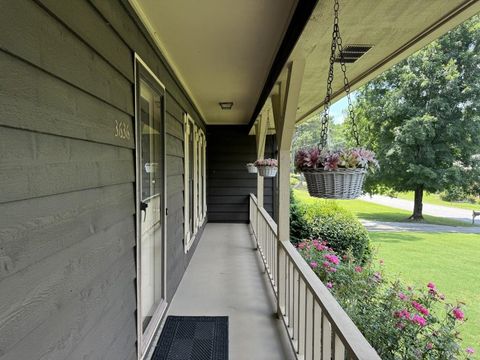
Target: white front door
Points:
(151, 259)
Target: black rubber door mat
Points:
(193, 338)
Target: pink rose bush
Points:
(399, 321)
(315, 158)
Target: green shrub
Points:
(294, 181)
(453, 194)
(456, 194)
(323, 219)
(299, 228)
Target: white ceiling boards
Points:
(221, 51)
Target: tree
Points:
(421, 117)
(307, 134)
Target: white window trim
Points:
(198, 173)
(199, 179)
(189, 125)
(204, 165)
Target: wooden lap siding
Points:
(67, 198)
(229, 149)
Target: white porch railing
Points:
(318, 326)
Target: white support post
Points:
(261, 137)
(284, 108)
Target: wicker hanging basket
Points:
(252, 169)
(267, 171)
(338, 184)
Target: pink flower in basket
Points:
(266, 162)
(314, 158)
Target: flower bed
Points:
(399, 321)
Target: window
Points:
(195, 199)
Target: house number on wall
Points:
(121, 130)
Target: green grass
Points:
(451, 261)
(374, 212)
(434, 199)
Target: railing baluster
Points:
(298, 314)
(326, 338)
(292, 299)
(307, 329)
(339, 348)
(317, 331)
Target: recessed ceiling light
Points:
(226, 105)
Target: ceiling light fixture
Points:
(226, 105)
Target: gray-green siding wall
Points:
(229, 149)
(67, 184)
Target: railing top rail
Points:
(271, 223)
(351, 337)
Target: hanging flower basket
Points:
(252, 169)
(267, 171)
(334, 174)
(339, 184)
(267, 167)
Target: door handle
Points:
(143, 207)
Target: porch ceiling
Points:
(220, 50)
(395, 28)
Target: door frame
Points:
(144, 339)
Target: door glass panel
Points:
(151, 215)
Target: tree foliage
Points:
(307, 134)
(422, 119)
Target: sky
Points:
(337, 109)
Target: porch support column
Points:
(261, 136)
(284, 117)
(284, 107)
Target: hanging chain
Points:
(336, 43)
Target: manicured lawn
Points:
(451, 261)
(434, 199)
(370, 211)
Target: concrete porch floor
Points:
(226, 278)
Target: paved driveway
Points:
(415, 226)
(428, 209)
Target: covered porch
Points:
(277, 307)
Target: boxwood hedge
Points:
(324, 219)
